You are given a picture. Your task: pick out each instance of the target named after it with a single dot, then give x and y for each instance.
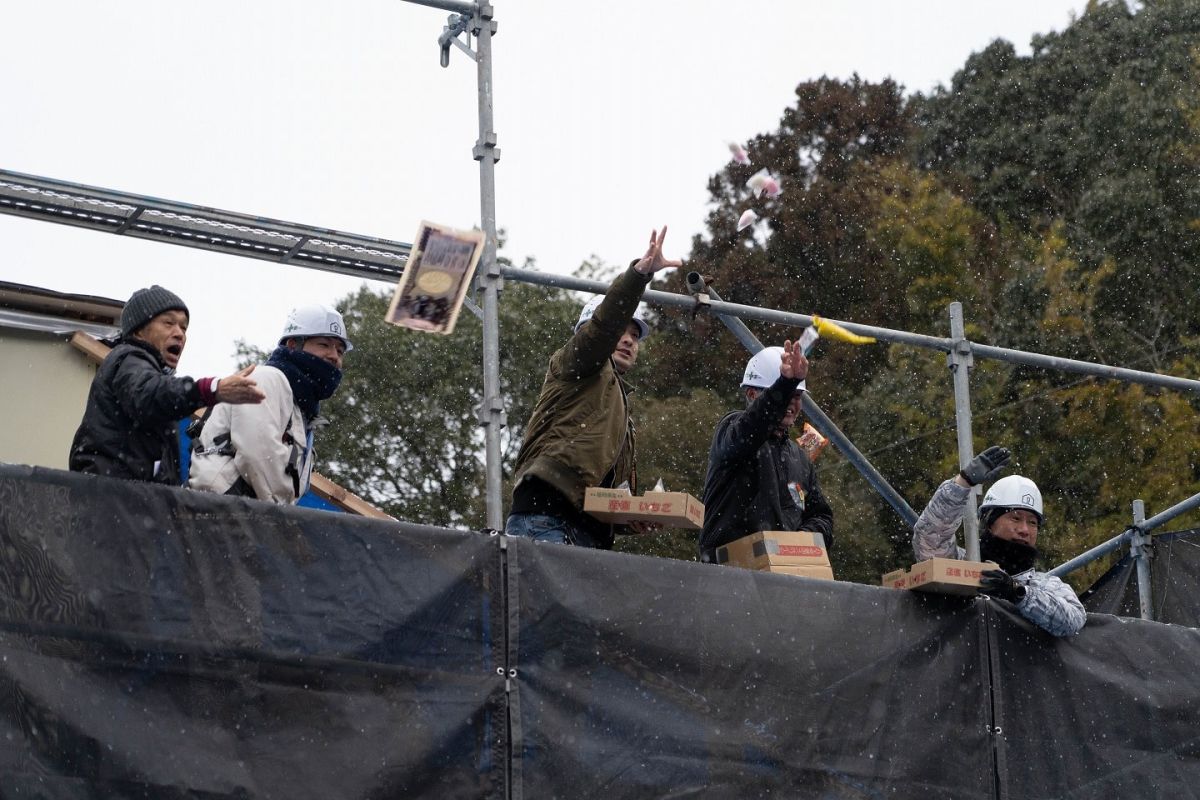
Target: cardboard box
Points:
(897, 579)
(811, 571)
(671, 509)
(775, 549)
(940, 575)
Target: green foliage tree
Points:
(1093, 131)
(813, 253)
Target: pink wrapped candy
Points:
(739, 153)
(747, 219)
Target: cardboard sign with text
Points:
(670, 509)
(775, 549)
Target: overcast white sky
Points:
(610, 116)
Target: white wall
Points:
(44, 384)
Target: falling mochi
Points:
(762, 183)
(747, 219)
(739, 153)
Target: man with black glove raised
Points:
(1009, 520)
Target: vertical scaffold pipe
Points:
(491, 413)
(1140, 546)
(960, 362)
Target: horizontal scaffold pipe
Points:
(456, 6)
(1171, 513)
(169, 222)
(884, 334)
(1099, 551)
(1083, 367)
(656, 297)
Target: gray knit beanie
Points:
(146, 304)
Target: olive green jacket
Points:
(580, 427)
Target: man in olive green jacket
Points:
(580, 433)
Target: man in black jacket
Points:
(128, 428)
(758, 478)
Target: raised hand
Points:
(653, 260)
(793, 364)
(986, 466)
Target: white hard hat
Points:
(315, 320)
(1013, 491)
(589, 308)
(762, 369)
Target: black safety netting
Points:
(1174, 582)
(157, 642)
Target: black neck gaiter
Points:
(1013, 557)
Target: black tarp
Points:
(1174, 582)
(156, 642)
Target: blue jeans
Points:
(545, 528)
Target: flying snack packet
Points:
(739, 153)
(747, 219)
(808, 339)
(838, 333)
(811, 442)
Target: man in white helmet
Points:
(580, 433)
(758, 478)
(266, 451)
(1010, 518)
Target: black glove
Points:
(998, 583)
(986, 465)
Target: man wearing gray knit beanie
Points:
(129, 424)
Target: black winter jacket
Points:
(132, 410)
(758, 480)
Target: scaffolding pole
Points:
(171, 222)
(488, 277)
(1139, 548)
(959, 361)
(944, 345)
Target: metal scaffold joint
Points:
(484, 145)
(456, 24)
(483, 14)
(961, 354)
(489, 274)
(491, 411)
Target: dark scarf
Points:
(1013, 557)
(312, 379)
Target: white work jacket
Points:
(266, 443)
